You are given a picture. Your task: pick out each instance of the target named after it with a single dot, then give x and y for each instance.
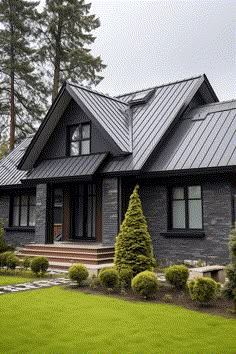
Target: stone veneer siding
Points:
(13, 236)
(217, 220)
(110, 210)
(41, 213)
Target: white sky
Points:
(149, 42)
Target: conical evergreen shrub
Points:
(133, 248)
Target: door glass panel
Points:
(32, 216)
(178, 193)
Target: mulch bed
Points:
(166, 295)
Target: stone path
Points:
(33, 285)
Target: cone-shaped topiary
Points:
(133, 246)
(230, 286)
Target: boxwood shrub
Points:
(78, 272)
(108, 278)
(39, 265)
(177, 275)
(203, 289)
(145, 284)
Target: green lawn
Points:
(6, 280)
(55, 320)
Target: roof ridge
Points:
(217, 103)
(96, 92)
(158, 86)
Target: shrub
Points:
(177, 275)
(133, 246)
(26, 262)
(3, 245)
(125, 277)
(108, 278)
(12, 261)
(78, 272)
(229, 290)
(203, 289)
(39, 265)
(145, 284)
(3, 258)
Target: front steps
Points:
(63, 255)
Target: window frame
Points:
(186, 208)
(80, 140)
(29, 205)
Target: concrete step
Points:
(33, 252)
(71, 260)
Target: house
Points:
(64, 192)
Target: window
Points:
(186, 208)
(23, 212)
(79, 139)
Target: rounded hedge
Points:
(3, 258)
(12, 261)
(78, 272)
(26, 262)
(39, 265)
(145, 284)
(108, 278)
(177, 275)
(203, 289)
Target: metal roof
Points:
(152, 120)
(76, 166)
(109, 113)
(205, 138)
(9, 174)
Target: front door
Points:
(84, 212)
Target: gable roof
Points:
(9, 174)
(204, 138)
(107, 113)
(152, 120)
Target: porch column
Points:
(110, 210)
(41, 214)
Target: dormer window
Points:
(79, 139)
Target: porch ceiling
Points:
(78, 166)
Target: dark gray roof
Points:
(76, 166)
(9, 174)
(152, 120)
(205, 137)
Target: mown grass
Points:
(55, 320)
(10, 280)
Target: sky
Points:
(147, 43)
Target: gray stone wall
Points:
(4, 209)
(41, 213)
(217, 220)
(19, 238)
(110, 210)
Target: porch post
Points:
(41, 221)
(110, 210)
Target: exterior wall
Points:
(56, 146)
(110, 210)
(41, 213)
(217, 219)
(4, 209)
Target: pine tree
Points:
(22, 93)
(65, 33)
(133, 248)
(230, 286)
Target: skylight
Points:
(141, 97)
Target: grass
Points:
(55, 320)
(10, 280)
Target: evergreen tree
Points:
(65, 33)
(22, 93)
(133, 248)
(230, 286)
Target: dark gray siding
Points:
(217, 218)
(56, 145)
(110, 210)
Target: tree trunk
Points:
(12, 87)
(57, 61)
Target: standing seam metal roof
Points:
(205, 138)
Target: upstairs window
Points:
(186, 208)
(79, 137)
(23, 211)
